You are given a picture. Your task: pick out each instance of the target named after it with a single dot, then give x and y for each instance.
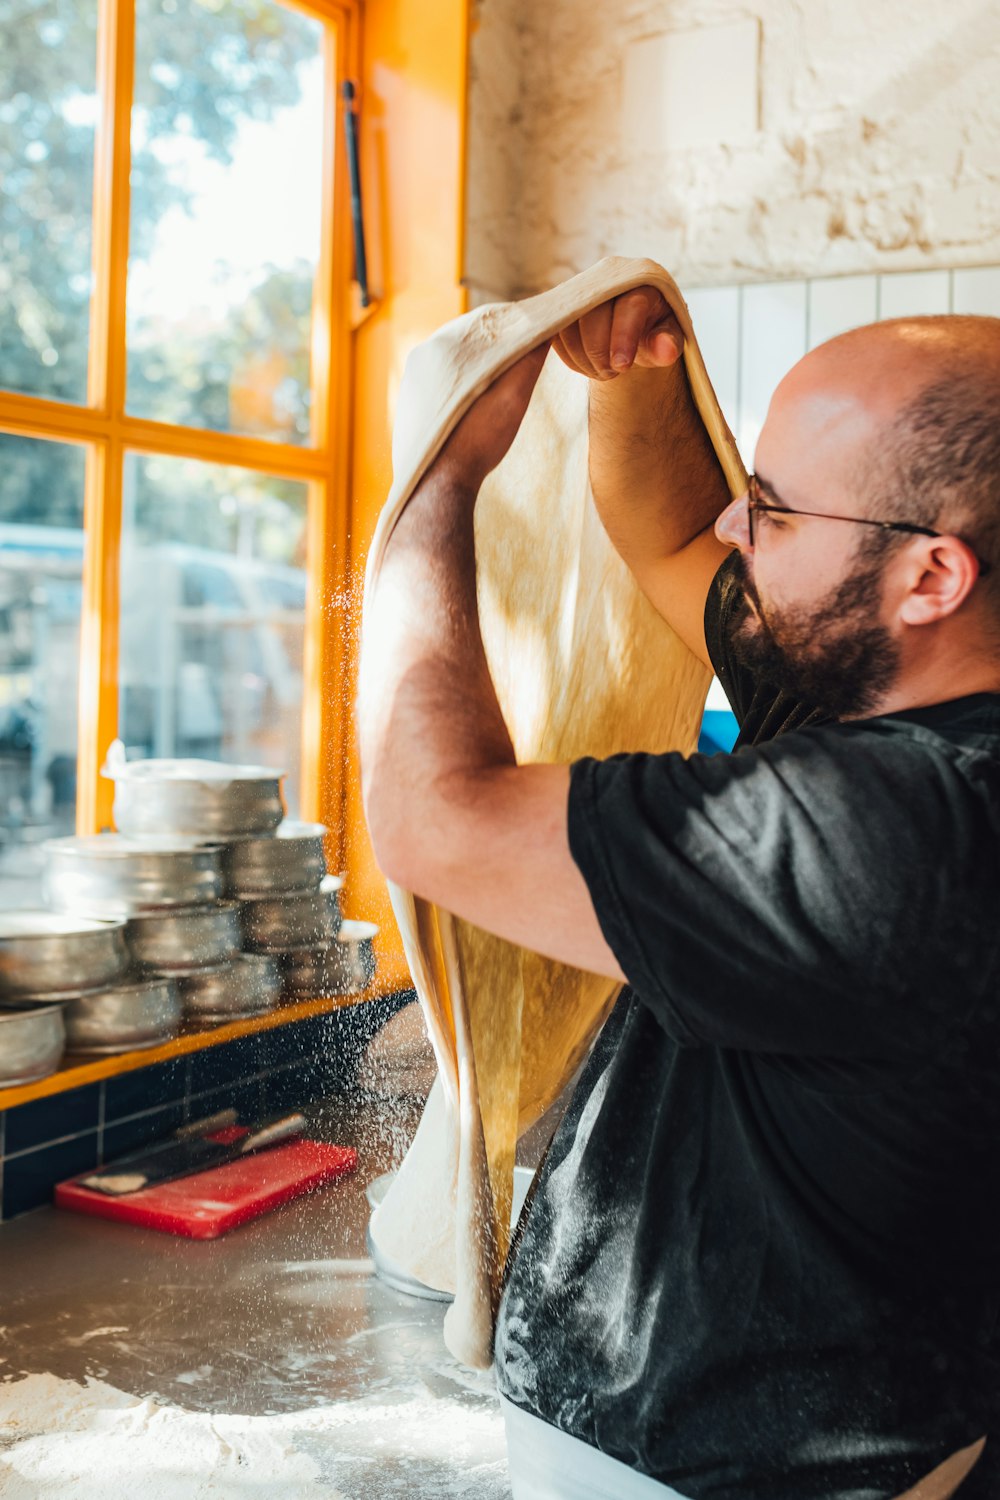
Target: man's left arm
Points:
(452, 816)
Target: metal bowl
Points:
(291, 859)
(196, 796)
(187, 938)
(45, 955)
(139, 1014)
(248, 985)
(295, 919)
(31, 1044)
(394, 1274)
(106, 875)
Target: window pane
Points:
(41, 568)
(213, 594)
(48, 108)
(227, 138)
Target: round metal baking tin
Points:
(135, 1015)
(247, 985)
(186, 937)
(196, 796)
(293, 919)
(290, 859)
(31, 1044)
(45, 955)
(108, 875)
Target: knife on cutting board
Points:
(185, 1157)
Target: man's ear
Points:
(944, 574)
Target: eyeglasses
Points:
(757, 505)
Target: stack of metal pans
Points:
(291, 910)
(204, 904)
(168, 886)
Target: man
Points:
(764, 1255)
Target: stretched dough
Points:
(582, 665)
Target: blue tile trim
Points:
(141, 1130)
(55, 1118)
(146, 1088)
(29, 1179)
(219, 1065)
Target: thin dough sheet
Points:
(582, 665)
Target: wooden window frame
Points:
(108, 433)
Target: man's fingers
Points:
(559, 345)
(572, 350)
(637, 328)
(645, 330)
(633, 313)
(595, 336)
(662, 345)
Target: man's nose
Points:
(733, 526)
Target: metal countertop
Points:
(283, 1315)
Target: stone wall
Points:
(778, 139)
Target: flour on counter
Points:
(94, 1442)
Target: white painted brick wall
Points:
(878, 146)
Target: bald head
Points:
(907, 414)
(884, 366)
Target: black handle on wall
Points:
(354, 168)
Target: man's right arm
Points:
(657, 484)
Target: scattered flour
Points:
(93, 1442)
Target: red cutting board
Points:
(211, 1203)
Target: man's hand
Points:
(484, 435)
(637, 329)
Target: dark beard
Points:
(834, 656)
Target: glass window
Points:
(227, 142)
(212, 614)
(41, 570)
(48, 110)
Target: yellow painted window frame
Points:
(107, 432)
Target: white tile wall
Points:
(912, 294)
(838, 303)
(752, 335)
(772, 338)
(715, 312)
(977, 291)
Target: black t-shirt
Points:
(763, 1258)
